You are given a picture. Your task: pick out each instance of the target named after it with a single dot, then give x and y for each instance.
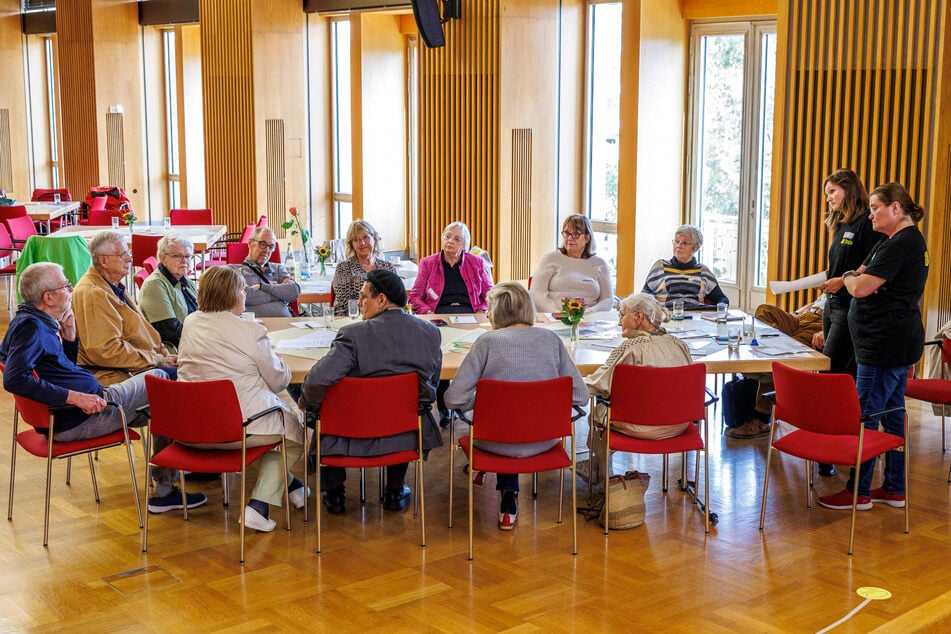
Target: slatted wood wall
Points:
(115, 149)
(77, 86)
(859, 91)
(228, 106)
(521, 241)
(274, 159)
(459, 130)
(6, 162)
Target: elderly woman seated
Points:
(217, 344)
(514, 350)
(646, 343)
(682, 277)
(573, 271)
(167, 296)
(364, 254)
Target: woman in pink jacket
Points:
(452, 281)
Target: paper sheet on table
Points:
(450, 335)
(778, 346)
(315, 286)
(319, 339)
(463, 319)
(306, 325)
(801, 284)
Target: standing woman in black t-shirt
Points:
(852, 239)
(886, 327)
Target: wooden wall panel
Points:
(6, 162)
(459, 130)
(859, 91)
(77, 81)
(115, 148)
(274, 166)
(228, 100)
(521, 241)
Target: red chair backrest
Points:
(6, 244)
(246, 235)
(35, 414)
(643, 395)
(115, 198)
(21, 228)
(143, 247)
(340, 414)
(238, 253)
(98, 203)
(13, 211)
(191, 216)
(139, 277)
(49, 195)
(194, 412)
(150, 263)
(822, 403)
(946, 350)
(262, 221)
(103, 217)
(546, 413)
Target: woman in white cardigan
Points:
(572, 271)
(217, 344)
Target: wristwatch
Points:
(847, 274)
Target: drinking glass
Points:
(115, 223)
(166, 224)
(353, 308)
(723, 310)
(734, 338)
(327, 310)
(57, 198)
(678, 309)
(749, 329)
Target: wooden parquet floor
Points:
(373, 576)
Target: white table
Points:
(45, 212)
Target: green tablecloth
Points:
(72, 252)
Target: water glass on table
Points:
(734, 336)
(115, 223)
(723, 311)
(327, 310)
(57, 198)
(353, 308)
(678, 313)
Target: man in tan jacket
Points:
(116, 340)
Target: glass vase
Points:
(573, 340)
(323, 268)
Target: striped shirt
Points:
(692, 282)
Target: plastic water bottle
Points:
(290, 263)
(304, 263)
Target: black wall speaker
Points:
(428, 22)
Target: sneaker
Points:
(173, 500)
(297, 497)
(842, 501)
(253, 519)
(753, 428)
(508, 510)
(896, 500)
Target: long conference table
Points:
(599, 335)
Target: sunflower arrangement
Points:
(323, 253)
(572, 310)
(129, 218)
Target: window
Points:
(170, 77)
(733, 83)
(50, 66)
(603, 125)
(340, 114)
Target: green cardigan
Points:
(160, 300)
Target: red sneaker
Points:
(842, 501)
(896, 500)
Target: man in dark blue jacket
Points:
(39, 352)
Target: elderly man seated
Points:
(269, 287)
(167, 296)
(116, 340)
(40, 365)
(387, 342)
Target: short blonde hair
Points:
(218, 289)
(510, 304)
(362, 225)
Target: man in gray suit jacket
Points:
(387, 342)
(269, 288)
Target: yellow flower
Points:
(323, 252)
(575, 305)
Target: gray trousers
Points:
(130, 395)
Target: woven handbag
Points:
(627, 500)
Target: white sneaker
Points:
(298, 498)
(253, 519)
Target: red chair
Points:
(143, 247)
(98, 204)
(548, 418)
(150, 263)
(338, 417)
(49, 195)
(21, 228)
(238, 253)
(204, 412)
(262, 221)
(9, 212)
(191, 217)
(139, 278)
(103, 217)
(10, 270)
(936, 391)
(834, 433)
(40, 417)
(642, 395)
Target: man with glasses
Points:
(269, 287)
(116, 340)
(40, 351)
(167, 296)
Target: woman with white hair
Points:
(682, 276)
(167, 295)
(452, 280)
(364, 254)
(645, 343)
(514, 350)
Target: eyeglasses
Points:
(121, 255)
(682, 243)
(65, 287)
(178, 257)
(571, 234)
(453, 239)
(266, 245)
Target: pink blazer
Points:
(430, 282)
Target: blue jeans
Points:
(879, 389)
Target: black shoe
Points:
(335, 500)
(826, 469)
(445, 420)
(397, 499)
